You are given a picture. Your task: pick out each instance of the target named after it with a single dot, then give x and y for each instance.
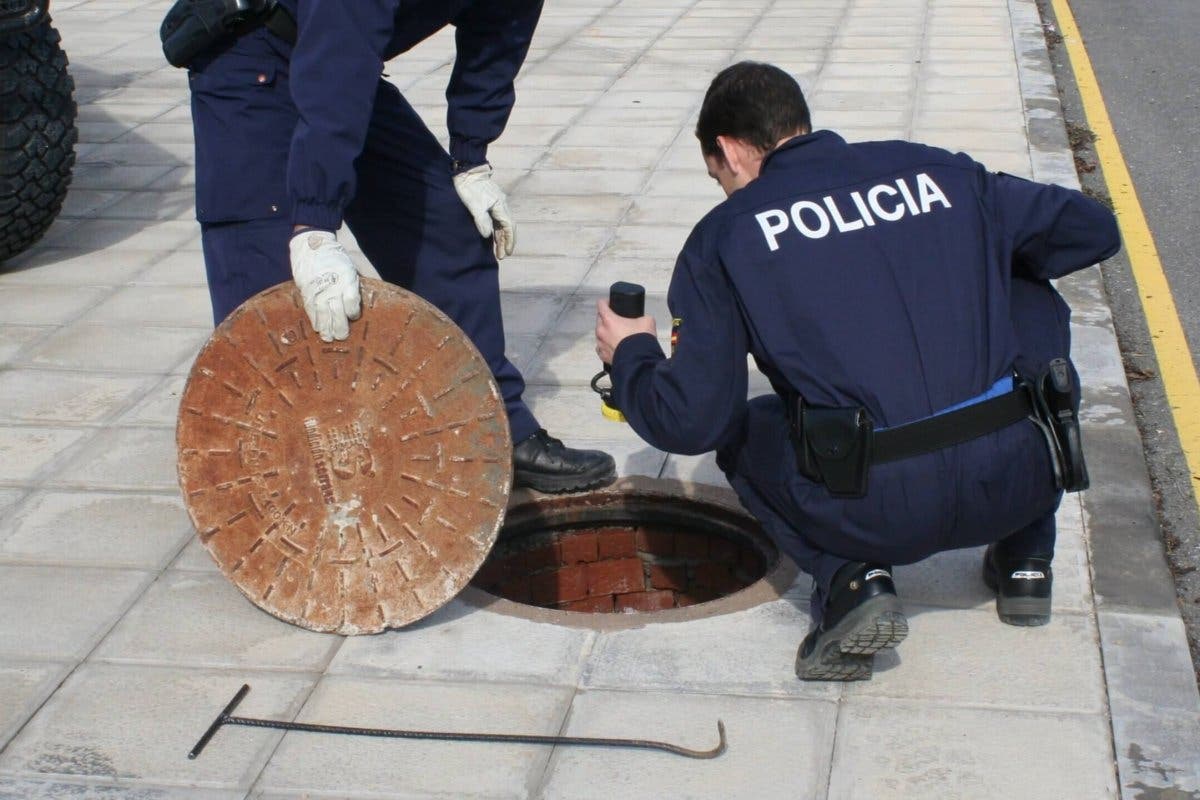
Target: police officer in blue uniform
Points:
(897, 296)
(297, 132)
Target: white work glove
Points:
(488, 204)
(328, 282)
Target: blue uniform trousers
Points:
(997, 488)
(410, 224)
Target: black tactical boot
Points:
(544, 463)
(862, 617)
(1022, 586)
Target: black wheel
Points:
(37, 135)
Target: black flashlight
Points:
(626, 300)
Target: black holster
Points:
(833, 446)
(1055, 395)
(193, 26)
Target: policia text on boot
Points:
(297, 132)
(897, 296)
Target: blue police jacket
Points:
(326, 88)
(874, 274)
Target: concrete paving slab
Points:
(654, 273)
(61, 612)
(105, 175)
(697, 469)
(953, 579)
(95, 529)
(655, 243)
(632, 158)
(543, 274)
(672, 210)
(159, 405)
(26, 451)
(131, 234)
(463, 643)
(84, 203)
(9, 498)
(749, 652)
(37, 305)
(971, 658)
(417, 769)
(126, 724)
(900, 749)
(194, 558)
(173, 269)
(563, 239)
(107, 348)
(969, 140)
(1155, 706)
(777, 748)
(597, 210)
(174, 306)
(48, 267)
(27, 788)
(585, 181)
(44, 396)
(564, 362)
(24, 686)
(124, 458)
(201, 619)
(529, 313)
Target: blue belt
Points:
(1000, 387)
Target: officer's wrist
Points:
(459, 167)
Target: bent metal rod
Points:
(226, 718)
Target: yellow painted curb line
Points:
(1166, 332)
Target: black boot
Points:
(1022, 585)
(862, 617)
(544, 463)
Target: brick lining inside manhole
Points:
(642, 568)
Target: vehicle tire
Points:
(37, 135)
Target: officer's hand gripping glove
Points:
(489, 207)
(328, 283)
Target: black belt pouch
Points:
(193, 26)
(833, 446)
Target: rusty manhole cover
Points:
(352, 486)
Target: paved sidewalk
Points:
(119, 640)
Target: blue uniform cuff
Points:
(631, 351)
(317, 215)
(637, 346)
(467, 153)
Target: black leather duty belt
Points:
(952, 427)
(838, 446)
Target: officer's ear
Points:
(743, 158)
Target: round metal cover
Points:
(348, 486)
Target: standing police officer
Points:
(296, 132)
(897, 296)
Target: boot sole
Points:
(1024, 612)
(560, 484)
(848, 649)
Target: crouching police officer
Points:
(296, 132)
(897, 296)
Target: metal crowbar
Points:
(226, 718)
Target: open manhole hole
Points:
(642, 547)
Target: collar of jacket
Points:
(809, 147)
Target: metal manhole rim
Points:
(781, 571)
